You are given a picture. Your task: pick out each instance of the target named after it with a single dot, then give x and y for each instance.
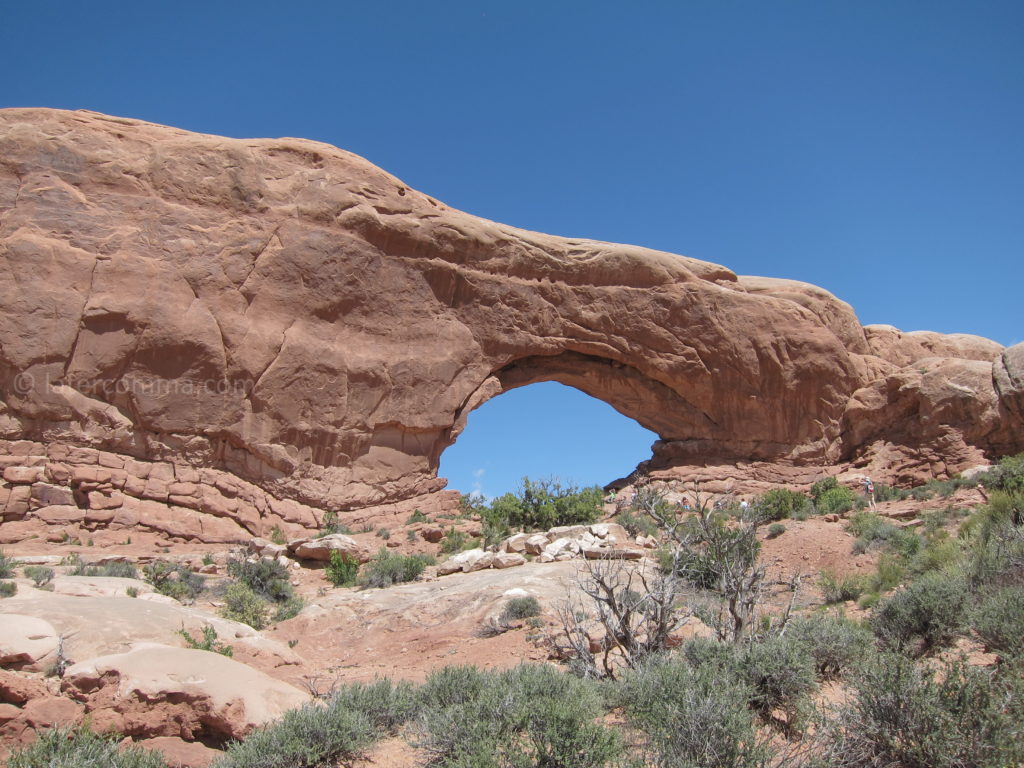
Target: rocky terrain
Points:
(215, 349)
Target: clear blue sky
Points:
(873, 148)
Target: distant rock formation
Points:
(287, 313)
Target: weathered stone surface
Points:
(211, 302)
(27, 642)
(321, 549)
(507, 560)
(196, 693)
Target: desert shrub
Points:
(313, 735)
(209, 642)
(385, 704)
(872, 531)
(637, 525)
(81, 748)
(266, 577)
(532, 715)
(116, 569)
(175, 581)
(775, 530)
(416, 517)
(332, 525)
(520, 608)
(341, 570)
(383, 533)
(835, 500)
(998, 620)
(780, 672)
(8, 589)
(837, 589)
(915, 716)
(834, 643)
(996, 545)
(887, 575)
(705, 652)
(885, 492)
(939, 553)
(543, 504)
(454, 541)
(289, 609)
(388, 568)
(926, 615)
(7, 566)
(822, 486)
(244, 605)
(1007, 475)
(779, 503)
(39, 574)
(692, 715)
(277, 535)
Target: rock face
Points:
(188, 694)
(301, 325)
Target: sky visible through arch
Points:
(872, 148)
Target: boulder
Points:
(466, 562)
(507, 560)
(610, 531)
(432, 533)
(198, 694)
(535, 544)
(515, 543)
(321, 549)
(16, 689)
(49, 711)
(27, 642)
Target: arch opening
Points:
(543, 429)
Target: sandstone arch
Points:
(287, 312)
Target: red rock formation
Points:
(284, 312)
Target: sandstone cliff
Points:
(286, 313)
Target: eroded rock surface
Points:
(297, 324)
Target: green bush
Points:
(692, 715)
(775, 530)
(916, 716)
(65, 747)
(7, 566)
(823, 486)
(332, 525)
(518, 608)
(311, 736)
(117, 569)
(454, 541)
(838, 590)
(244, 605)
(780, 503)
(8, 589)
(873, 531)
(416, 517)
(532, 715)
(637, 525)
(998, 620)
(543, 504)
(209, 642)
(175, 581)
(342, 570)
(835, 644)
(388, 568)
(885, 492)
(924, 616)
(40, 574)
(266, 577)
(1007, 475)
(780, 671)
(385, 704)
(835, 501)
